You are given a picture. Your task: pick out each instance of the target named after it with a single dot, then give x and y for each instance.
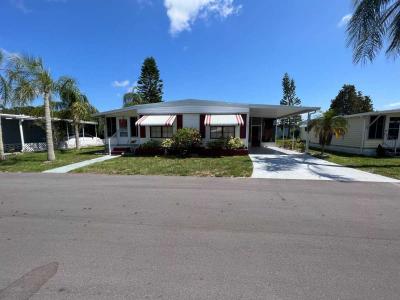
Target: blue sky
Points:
(234, 50)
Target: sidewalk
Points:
(68, 168)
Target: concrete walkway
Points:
(277, 163)
(68, 168)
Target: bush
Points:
(229, 143)
(217, 144)
(167, 144)
(185, 140)
(151, 147)
(234, 143)
(380, 151)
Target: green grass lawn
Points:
(36, 161)
(386, 166)
(229, 166)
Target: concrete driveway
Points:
(277, 163)
(82, 236)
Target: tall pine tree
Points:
(290, 98)
(150, 86)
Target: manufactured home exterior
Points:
(366, 131)
(22, 133)
(254, 124)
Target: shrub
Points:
(185, 140)
(234, 143)
(217, 144)
(151, 144)
(229, 143)
(151, 147)
(167, 144)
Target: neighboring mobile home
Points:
(366, 131)
(23, 133)
(253, 123)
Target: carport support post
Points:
(21, 133)
(308, 133)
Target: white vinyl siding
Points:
(353, 137)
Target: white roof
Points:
(223, 120)
(213, 107)
(158, 120)
(25, 117)
(374, 113)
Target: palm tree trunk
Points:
(77, 142)
(2, 156)
(322, 149)
(49, 132)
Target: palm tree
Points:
(75, 105)
(327, 126)
(32, 80)
(5, 96)
(374, 24)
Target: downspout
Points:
(363, 136)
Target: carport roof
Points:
(214, 107)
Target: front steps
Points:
(120, 150)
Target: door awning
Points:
(223, 120)
(156, 120)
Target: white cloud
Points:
(395, 104)
(132, 88)
(120, 84)
(183, 13)
(20, 4)
(346, 19)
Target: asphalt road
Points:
(100, 237)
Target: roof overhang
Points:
(210, 107)
(279, 111)
(374, 113)
(31, 118)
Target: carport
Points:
(276, 163)
(264, 121)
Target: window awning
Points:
(223, 120)
(156, 120)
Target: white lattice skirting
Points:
(33, 147)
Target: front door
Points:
(255, 136)
(123, 135)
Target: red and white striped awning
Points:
(223, 120)
(156, 120)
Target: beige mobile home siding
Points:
(353, 137)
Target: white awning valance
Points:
(156, 120)
(223, 120)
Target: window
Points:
(134, 128)
(394, 126)
(111, 126)
(217, 132)
(161, 131)
(377, 127)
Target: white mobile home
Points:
(253, 123)
(366, 131)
